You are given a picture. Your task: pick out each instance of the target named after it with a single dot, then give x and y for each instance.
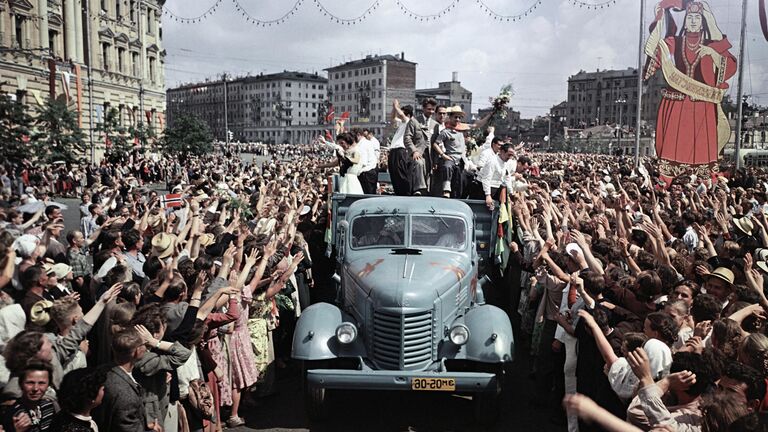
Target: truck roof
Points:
(408, 205)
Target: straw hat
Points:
(61, 270)
(762, 265)
(39, 313)
(723, 274)
(454, 110)
(744, 225)
(162, 245)
(207, 239)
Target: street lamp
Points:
(620, 102)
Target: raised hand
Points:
(111, 293)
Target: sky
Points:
(535, 54)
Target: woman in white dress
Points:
(349, 165)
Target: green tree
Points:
(15, 129)
(144, 135)
(120, 144)
(189, 136)
(58, 136)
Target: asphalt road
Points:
(385, 411)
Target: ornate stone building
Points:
(100, 54)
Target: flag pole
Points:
(640, 57)
(740, 92)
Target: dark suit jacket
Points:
(122, 409)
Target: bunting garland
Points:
(267, 23)
(420, 17)
(595, 6)
(500, 17)
(599, 4)
(184, 20)
(348, 21)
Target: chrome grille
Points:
(402, 342)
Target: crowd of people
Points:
(641, 304)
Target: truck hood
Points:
(413, 281)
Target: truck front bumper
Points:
(367, 379)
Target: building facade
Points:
(278, 107)
(610, 97)
(366, 88)
(448, 93)
(100, 54)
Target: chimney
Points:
(455, 77)
(402, 55)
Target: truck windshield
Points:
(378, 230)
(439, 231)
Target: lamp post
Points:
(620, 102)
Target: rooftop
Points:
(621, 73)
(279, 76)
(369, 60)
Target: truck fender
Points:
(491, 339)
(315, 334)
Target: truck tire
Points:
(487, 405)
(316, 402)
(315, 398)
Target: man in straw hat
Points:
(719, 284)
(450, 152)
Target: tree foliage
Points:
(189, 136)
(117, 142)
(15, 129)
(58, 136)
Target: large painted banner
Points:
(691, 127)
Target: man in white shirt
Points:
(369, 148)
(496, 172)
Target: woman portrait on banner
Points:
(691, 128)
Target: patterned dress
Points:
(241, 357)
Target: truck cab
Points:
(410, 313)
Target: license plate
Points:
(433, 384)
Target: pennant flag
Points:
(331, 115)
(345, 115)
(501, 251)
(329, 222)
(65, 84)
(171, 200)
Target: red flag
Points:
(171, 200)
(345, 115)
(328, 135)
(331, 115)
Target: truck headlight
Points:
(346, 333)
(459, 334)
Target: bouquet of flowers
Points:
(500, 102)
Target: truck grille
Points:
(402, 342)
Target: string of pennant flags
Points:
(266, 23)
(407, 11)
(401, 4)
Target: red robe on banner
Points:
(686, 129)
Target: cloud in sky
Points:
(536, 55)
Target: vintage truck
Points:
(410, 313)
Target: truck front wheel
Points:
(316, 402)
(315, 398)
(487, 405)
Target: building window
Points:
(135, 63)
(52, 37)
(120, 60)
(150, 14)
(152, 69)
(105, 56)
(20, 21)
(118, 9)
(132, 12)
(287, 84)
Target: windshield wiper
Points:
(406, 251)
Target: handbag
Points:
(201, 398)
